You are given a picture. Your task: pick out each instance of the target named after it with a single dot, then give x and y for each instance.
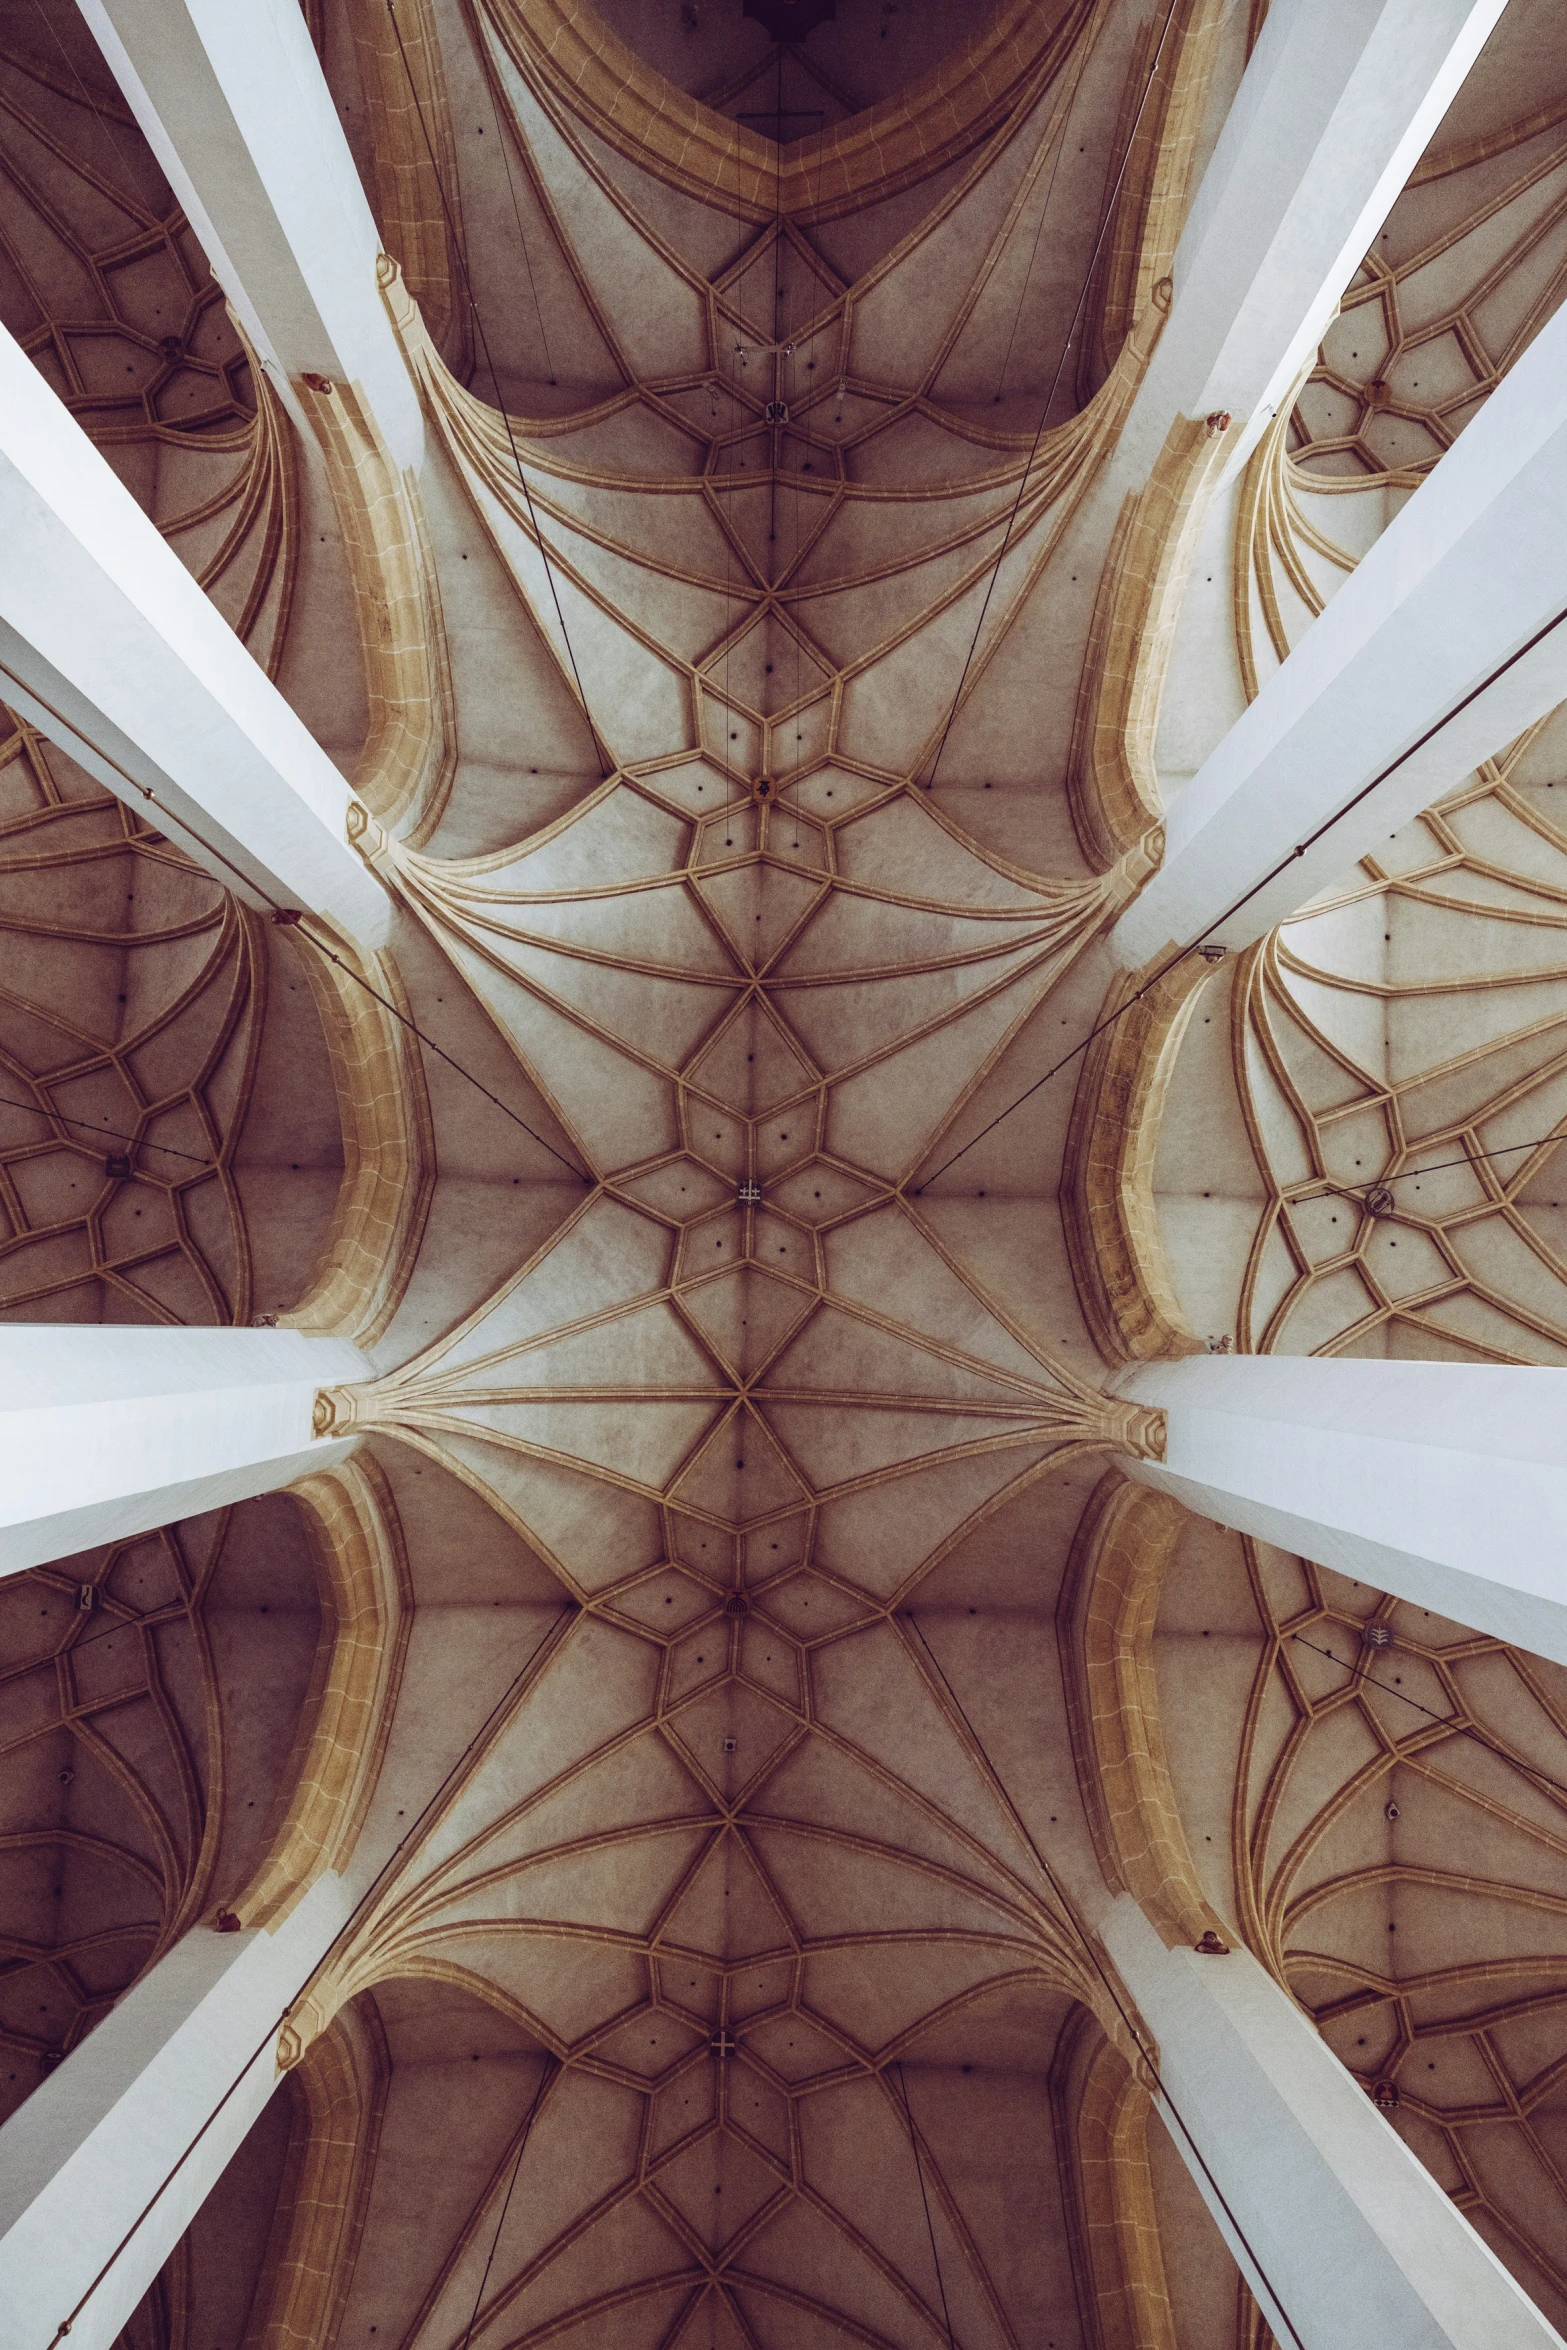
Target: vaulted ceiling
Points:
(739, 1432)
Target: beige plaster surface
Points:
(732, 1816)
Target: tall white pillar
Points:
(233, 103)
(107, 1431)
(106, 2165)
(1337, 102)
(1444, 1483)
(1342, 2233)
(1461, 583)
(110, 647)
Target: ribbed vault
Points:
(737, 1487)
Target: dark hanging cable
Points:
(547, 2074)
(186, 826)
(294, 918)
(914, 2141)
(606, 763)
(1339, 1190)
(8, 1101)
(522, 239)
(1112, 1990)
(491, 1719)
(1529, 1770)
(1072, 326)
(1235, 907)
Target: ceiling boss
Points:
(783, 1296)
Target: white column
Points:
(107, 1431)
(1344, 2236)
(109, 645)
(1444, 1483)
(1459, 584)
(105, 2166)
(1337, 102)
(234, 105)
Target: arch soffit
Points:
(579, 66)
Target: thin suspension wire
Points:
(1238, 904)
(441, 1052)
(293, 916)
(606, 762)
(908, 2115)
(125, 154)
(1044, 215)
(1339, 1190)
(493, 1717)
(1360, 1671)
(9, 1102)
(1133, 2028)
(185, 825)
(522, 236)
(1072, 326)
(548, 2071)
(547, 2074)
(319, 944)
(1438, 1167)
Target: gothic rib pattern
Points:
(585, 72)
(1362, 1825)
(720, 530)
(1470, 265)
(1355, 1064)
(741, 1432)
(675, 1051)
(130, 1020)
(1468, 270)
(123, 1747)
(726, 2022)
(110, 295)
